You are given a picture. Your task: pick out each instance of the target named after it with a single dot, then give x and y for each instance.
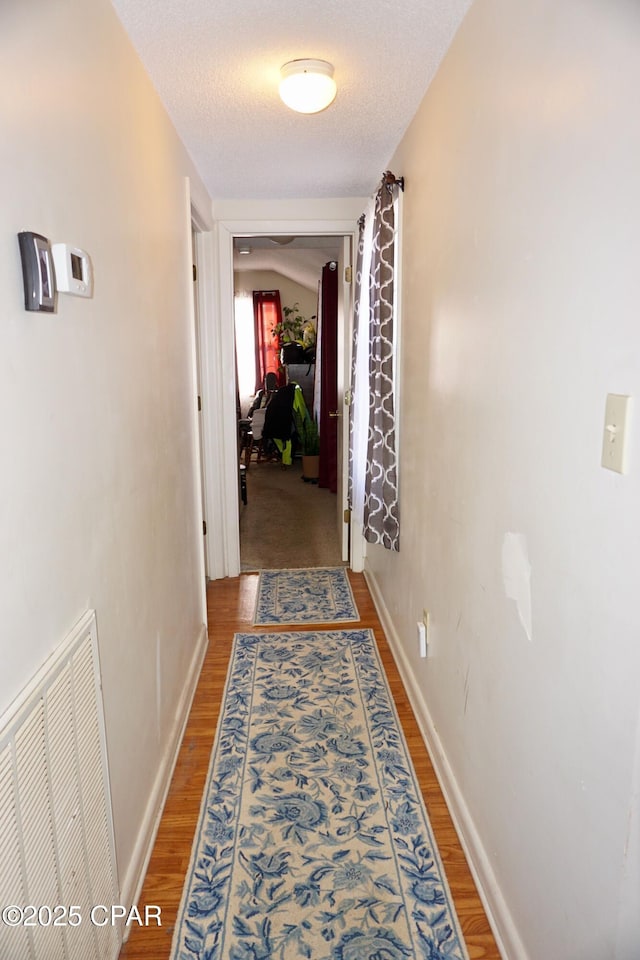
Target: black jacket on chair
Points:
(278, 422)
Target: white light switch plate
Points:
(614, 440)
(422, 639)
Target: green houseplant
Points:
(297, 336)
(309, 439)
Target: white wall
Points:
(97, 490)
(521, 298)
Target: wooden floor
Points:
(231, 604)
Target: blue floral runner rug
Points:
(311, 595)
(313, 839)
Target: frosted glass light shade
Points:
(307, 86)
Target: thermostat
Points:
(74, 273)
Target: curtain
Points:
(267, 313)
(245, 347)
(328, 425)
(359, 385)
(381, 508)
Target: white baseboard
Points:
(131, 885)
(502, 925)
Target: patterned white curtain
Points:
(381, 508)
(359, 386)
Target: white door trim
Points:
(196, 229)
(219, 380)
(345, 324)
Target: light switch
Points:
(422, 638)
(616, 420)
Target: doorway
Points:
(287, 520)
(224, 481)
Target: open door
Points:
(345, 326)
(196, 318)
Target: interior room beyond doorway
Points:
(285, 522)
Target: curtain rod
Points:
(390, 179)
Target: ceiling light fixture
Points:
(244, 250)
(282, 241)
(307, 86)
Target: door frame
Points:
(195, 231)
(345, 325)
(198, 251)
(222, 457)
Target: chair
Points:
(257, 427)
(278, 425)
(245, 440)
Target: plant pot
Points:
(310, 468)
(292, 353)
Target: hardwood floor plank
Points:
(230, 605)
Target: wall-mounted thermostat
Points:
(74, 273)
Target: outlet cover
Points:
(422, 639)
(614, 438)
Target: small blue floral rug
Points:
(313, 838)
(311, 595)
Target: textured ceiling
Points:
(216, 63)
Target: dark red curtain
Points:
(267, 312)
(329, 378)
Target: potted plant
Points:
(309, 439)
(309, 341)
(291, 331)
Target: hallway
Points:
(231, 604)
